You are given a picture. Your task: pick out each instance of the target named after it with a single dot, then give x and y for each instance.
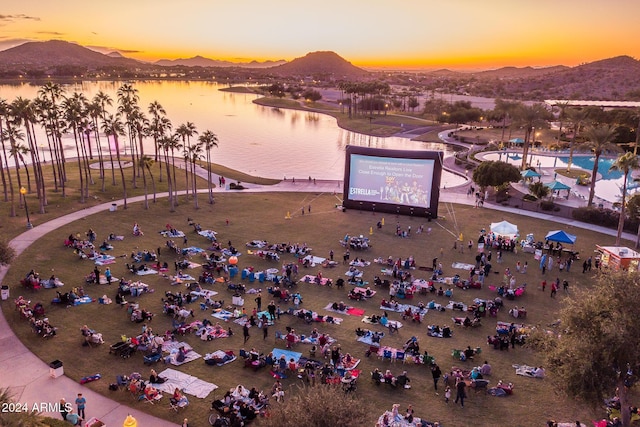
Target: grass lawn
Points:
(58, 205)
(262, 216)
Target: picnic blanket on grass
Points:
(83, 300)
(456, 306)
(363, 291)
(205, 293)
(309, 340)
(187, 383)
(172, 348)
(463, 266)
(210, 333)
(170, 235)
(288, 354)
(104, 281)
(312, 279)
(209, 234)
(394, 323)
(245, 320)
(526, 371)
(367, 338)
(315, 317)
(351, 311)
(222, 357)
(223, 315)
(146, 272)
(105, 260)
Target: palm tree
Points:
(103, 100)
(43, 110)
(4, 165)
(147, 162)
(13, 135)
(73, 111)
(52, 92)
(562, 105)
(531, 117)
(578, 116)
(157, 128)
(157, 111)
(194, 153)
(112, 126)
(24, 113)
(505, 110)
(625, 163)
(209, 140)
(599, 140)
(93, 110)
(166, 144)
(186, 131)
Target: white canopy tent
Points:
(504, 228)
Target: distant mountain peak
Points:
(320, 62)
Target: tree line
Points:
(91, 122)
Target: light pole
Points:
(44, 158)
(23, 191)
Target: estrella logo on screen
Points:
(363, 191)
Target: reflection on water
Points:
(259, 140)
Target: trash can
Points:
(113, 208)
(56, 369)
(4, 292)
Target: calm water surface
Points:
(261, 141)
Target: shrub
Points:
(547, 205)
(529, 198)
(236, 186)
(604, 217)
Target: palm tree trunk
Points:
(194, 186)
(75, 137)
(5, 189)
(594, 175)
(571, 148)
(209, 187)
(622, 210)
(153, 183)
(124, 182)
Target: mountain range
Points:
(200, 61)
(612, 78)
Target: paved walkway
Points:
(28, 377)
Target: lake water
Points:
(258, 140)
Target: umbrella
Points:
(557, 185)
(516, 141)
(529, 174)
(560, 236)
(504, 228)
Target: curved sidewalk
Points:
(28, 377)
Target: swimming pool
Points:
(608, 187)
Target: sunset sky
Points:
(369, 33)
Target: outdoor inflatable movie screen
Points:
(397, 181)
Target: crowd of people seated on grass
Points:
(401, 381)
(40, 326)
(239, 406)
(439, 332)
(91, 336)
(138, 315)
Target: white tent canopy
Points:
(504, 228)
